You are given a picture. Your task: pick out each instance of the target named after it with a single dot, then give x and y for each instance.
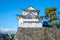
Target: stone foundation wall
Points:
(38, 34)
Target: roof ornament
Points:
(31, 8)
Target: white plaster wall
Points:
(21, 20)
(30, 20)
(26, 12)
(30, 25)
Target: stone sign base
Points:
(37, 34)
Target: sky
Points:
(9, 9)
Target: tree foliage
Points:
(53, 23)
(51, 14)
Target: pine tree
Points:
(51, 14)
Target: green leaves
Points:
(51, 14)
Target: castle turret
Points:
(30, 18)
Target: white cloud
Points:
(8, 30)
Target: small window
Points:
(24, 13)
(20, 23)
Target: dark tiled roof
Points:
(27, 17)
(30, 10)
(30, 21)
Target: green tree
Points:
(51, 14)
